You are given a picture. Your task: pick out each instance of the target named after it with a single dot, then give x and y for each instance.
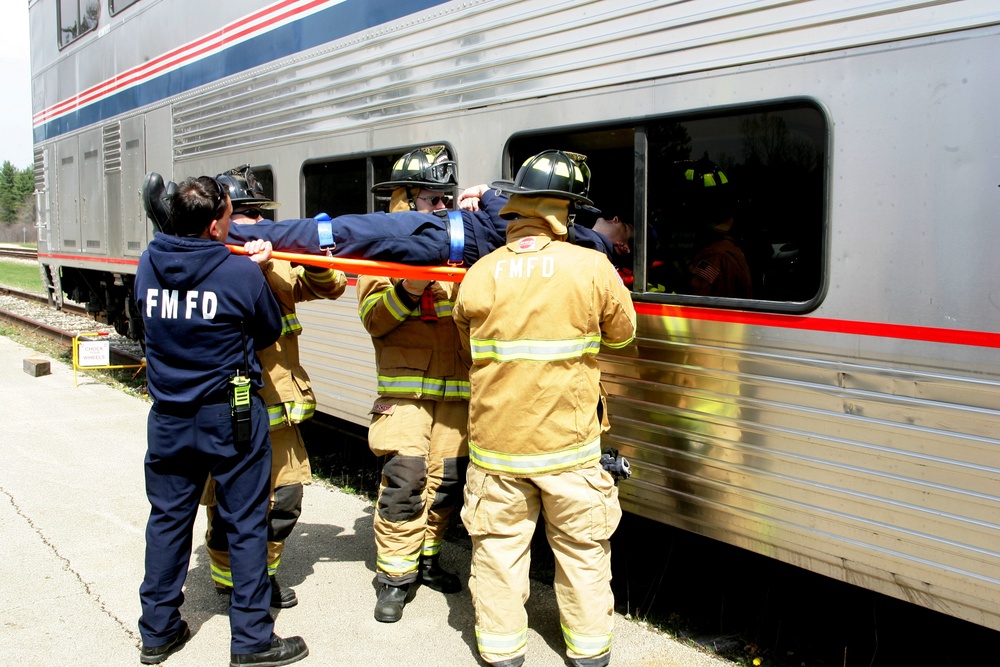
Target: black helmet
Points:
(244, 189)
(702, 191)
(701, 173)
(553, 173)
(430, 168)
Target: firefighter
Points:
(205, 312)
(534, 314)
(419, 420)
(286, 392)
(707, 204)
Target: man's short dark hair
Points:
(195, 204)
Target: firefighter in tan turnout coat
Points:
(534, 314)
(419, 421)
(287, 393)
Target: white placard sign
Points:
(94, 353)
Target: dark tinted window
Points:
(266, 178)
(336, 187)
(728, 206)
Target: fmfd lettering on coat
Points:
(525, 267)
(169, 304)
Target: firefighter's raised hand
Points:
(259, 251)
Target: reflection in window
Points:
(735, 205)
(733, 202)
(77, 18)
(118, 5)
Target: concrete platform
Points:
(72, 517)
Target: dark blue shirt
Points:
(206, 312)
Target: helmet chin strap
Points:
(411, 197)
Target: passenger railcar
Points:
(844, 419)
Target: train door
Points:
(132, 170)
(91, 201)
(67, 187)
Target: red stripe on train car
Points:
(806, 323)
(88, 258)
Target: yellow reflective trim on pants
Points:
(397, 566)
(272, 568)
(533, 464)
(222, 577)
(588, 645)
(430, 548)
(501, 643)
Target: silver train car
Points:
(846, 419)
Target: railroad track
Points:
(32, 297)
(19, 253)
(32, 312)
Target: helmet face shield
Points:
(430, 168)
(443, 173)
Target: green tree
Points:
(16, 186)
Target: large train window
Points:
(118, 5)
(729, 206)
(77, 18)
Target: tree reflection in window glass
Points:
(77, 18)
(745, 188)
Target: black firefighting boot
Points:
(389, 606)
(435, 577)
(282, 598)
(511, 662)
(602, 660)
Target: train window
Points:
(265, 177)
(77, 18)
(337, 187)
(118, 5)
(729, 205)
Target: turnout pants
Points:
(581, 512)
(289, 469)
(183, 447)
(426, 450)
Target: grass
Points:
(21, 276)
(129, 380)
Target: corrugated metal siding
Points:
(487, 53)
(338, 354)
(881, 475)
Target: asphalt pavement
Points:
(73, 511)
